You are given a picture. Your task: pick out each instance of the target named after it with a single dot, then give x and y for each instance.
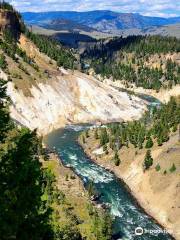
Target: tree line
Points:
(155, 126)
(52, 48)
(23, 214)
(64, 57)
(129, 59)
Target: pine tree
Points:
(158, 167)
(116, 159)
(149, 143)
(173, 168)
(4, 111)
(160, 140)
(23, 214)
(3, 63)
(148, 161)
(104, 138)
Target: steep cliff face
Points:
(9, 21)
(69, 99)
(49, 97)
(163, 95)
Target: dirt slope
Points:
(51, 97)
(158, 192)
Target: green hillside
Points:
(32, 203)
(150, 62)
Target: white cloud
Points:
(165, 8)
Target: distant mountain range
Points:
(67, 25)
(103, 21)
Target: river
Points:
(127, 214)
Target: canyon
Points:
(57, 97)
(49, 94)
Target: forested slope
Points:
(32, 203)
(155, 127)
(148, 61)
(145, 155)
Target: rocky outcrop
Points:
(51, 97)
(9, 21)
(71, 98)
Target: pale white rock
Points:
(98, 151)
(162, 95)
(3, 75)
(69, 99)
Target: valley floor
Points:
(158, 192)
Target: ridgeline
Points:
(151, 62)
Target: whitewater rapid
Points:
(126, 213)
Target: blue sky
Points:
(159, 8)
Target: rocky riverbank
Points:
(75, 206)
(157, 192)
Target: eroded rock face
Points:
(72, 98)
(64, 96)
(9, 21)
